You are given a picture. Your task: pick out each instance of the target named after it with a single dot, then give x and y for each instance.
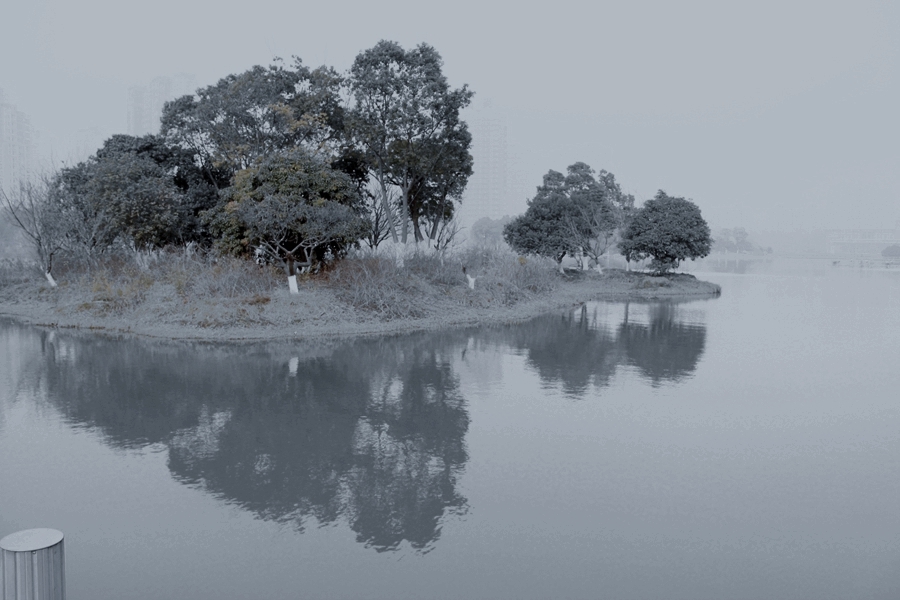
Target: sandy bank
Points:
(316, 312)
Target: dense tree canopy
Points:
(570, 213)
(244, 117)
(541, 230)
(136, 190)
(669, 230)
(292, 205)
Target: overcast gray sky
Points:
(769, 115)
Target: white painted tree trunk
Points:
(292, 284)
(50, 279)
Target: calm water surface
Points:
(742, 447)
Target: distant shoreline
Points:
(316, 314)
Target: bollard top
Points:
(31, 540)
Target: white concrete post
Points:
(33, 565)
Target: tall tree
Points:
(406, 118)
(445, 171)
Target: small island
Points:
(180, 299)
(289, 202)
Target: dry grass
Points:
(212, 291)
(14, 271)
(377, 284)
(421, 282)
(123, 282)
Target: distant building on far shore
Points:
(862, 242)
(145, 102)
(17, 145)
(495, 188)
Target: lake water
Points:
(746, 446)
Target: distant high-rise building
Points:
(17, 145)
(488, 185)
(486, 192)
(145, 103)
(495, 188)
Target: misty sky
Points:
(769, 115)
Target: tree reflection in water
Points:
(665, 349)
(571, 349)
(580, 349)
(370, 432)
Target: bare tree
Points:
(446, 235)
(379, 218)
(291, 232)
(30, 208)
(593, 226)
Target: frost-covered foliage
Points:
(293, 206)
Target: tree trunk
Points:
(289, 264)
(434, 229)
(385, 202)
(417, 231)
(47, 274)
(388, 211)
(404, 228)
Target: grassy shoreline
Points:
(184, 298)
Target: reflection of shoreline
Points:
(319, 315)
(368, 432)
(371, 434)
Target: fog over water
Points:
(740, 447)
(769, 115)
(744, 446)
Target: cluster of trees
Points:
(295, 162)
(302, 164)
(571, 214)
(585, 214)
